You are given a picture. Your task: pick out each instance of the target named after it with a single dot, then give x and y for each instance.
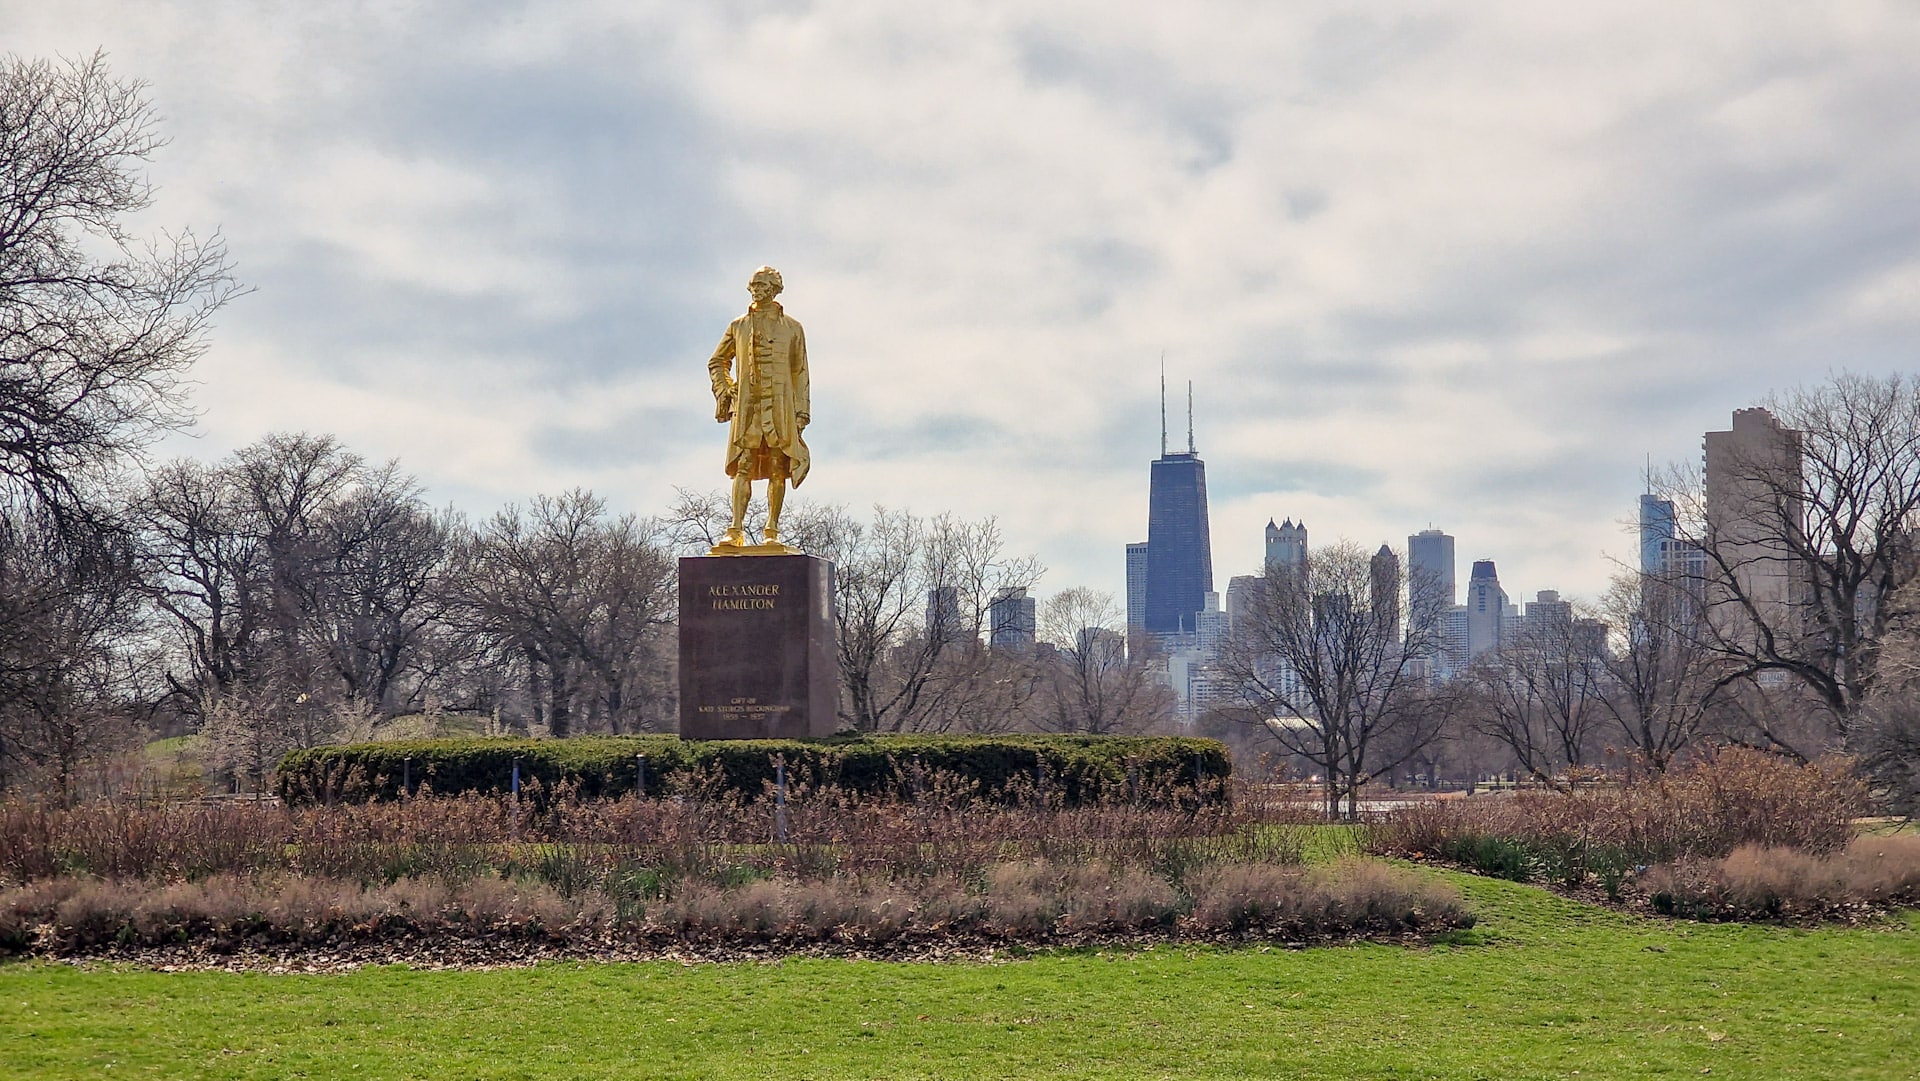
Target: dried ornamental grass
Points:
(1734, 797)
(1757, 882)
(1028, 901)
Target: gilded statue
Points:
(759, 373)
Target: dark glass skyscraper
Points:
(1179, 544)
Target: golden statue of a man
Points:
(759, 373)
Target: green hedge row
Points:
(1071, 769)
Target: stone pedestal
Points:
(757, 654)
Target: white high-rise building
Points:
(1210, 627)
(1456, 649)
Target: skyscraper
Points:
(1179, 543)
(1486, 609)
(1430, 599)
(1753, 475)
(1456, 644)
(943, 615)
(1384, 594)
(1548, 617)
(1656, 530)
(1136, 590)
(1430, 569)
(1287, 544)
(1242, 589)
(1011, 622)
(1663, 554)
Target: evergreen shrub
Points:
(1064, 770)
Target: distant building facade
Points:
(1547, 616)
(1242, 592)
(1286, 545)
(1663, 554)
(1012, 623)
(1431, 596)
(1384, 590)
(1486, 610)
(943, 615)
(1179, 540)
(1753, 475)
(1136, 596)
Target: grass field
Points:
(1544, 987)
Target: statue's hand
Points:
(723, 405)
(801, 419)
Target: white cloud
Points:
(1460, 267)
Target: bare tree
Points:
(1657, 673)
(697, 519)
(382, 556)
(1887, 742)
(297, 580)
(1543, 694)
(1318, 661)
(1804, 532)
(1091, 683)
(66, 610)
(912, 596)
(581, 598)
(97, 330)
(97, 327)
(202, 570)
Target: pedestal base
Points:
(757, 648)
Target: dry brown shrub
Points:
(827, 833)
(698, 867)
(1115, 899)
(1022, 899)
(1367, 895)
(95, 913)
(1238, 897)
(1757, 882)
(1732, 797)
(1349, 896)
(24, 909)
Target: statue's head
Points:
(765, 284)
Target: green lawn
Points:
(1543, 988)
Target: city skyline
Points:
(1459, 268)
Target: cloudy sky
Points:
(1453, 265)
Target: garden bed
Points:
(829, 873)
(1741, 835)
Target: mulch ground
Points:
(450, 952)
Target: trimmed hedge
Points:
(1070, 769)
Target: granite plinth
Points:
(757, 648)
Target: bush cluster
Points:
(1606, 832)
(1754, 882)
(567, 841)
(824, 866)
(1069, 770)
(1024, 902)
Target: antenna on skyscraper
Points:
(1190, 449)
(1163, 403)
